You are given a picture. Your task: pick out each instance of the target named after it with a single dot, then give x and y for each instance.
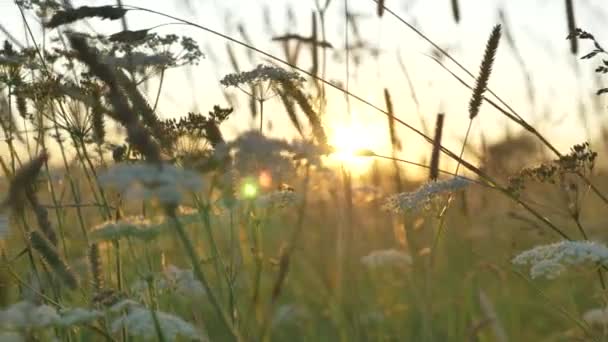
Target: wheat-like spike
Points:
(313, 118)
(380, 8)
(71, 15)
(50, 255)
(456, 11)
(23, 180)
(42, 216)
(571, 26)
(97, 118)
(396, 144)
(434, 169)
(95, 264)
(138, 136)
(484, 72)
(291, 110)
(140, 104)
(21, 103)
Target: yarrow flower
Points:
(144, 181)
(139, 322)
(550, 261)
(70, 317)
(277, 199)
(408, 201)
(259, 74)
(128, 227)
(27, 315)
(184, 281)
(387, 257)
(596, 317)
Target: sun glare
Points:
(348, 140)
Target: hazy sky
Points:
(538, 26)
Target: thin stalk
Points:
(261, 115)
(198, 272)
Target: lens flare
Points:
(249, 190)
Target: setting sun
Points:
(348, 140)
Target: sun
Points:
(348, 141)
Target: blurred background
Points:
(535, 71)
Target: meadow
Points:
(121, 224)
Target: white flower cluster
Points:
(184, 281)
(305, 149)
(259, 74)
(252, 150)
(27, 315)
(408, 201)
(277, 199)
(139, 322)
(550, 261)
(77, 316)
(128, 227)
(11, 336)
(138, 59)
(386, 257)
(255, 142)
(144, 181)
(174, 280)
(596, 317)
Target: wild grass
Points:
(164, 229)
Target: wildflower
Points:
(387, 257)
(259, 74)
(277, 199)
(254, 151)
(11, 336)
(424, 195)
(304, 149)
(27, 315)
(259, 144)
(550, 261)
(138, 59)
(597, 317)
(139, 322)
(145, 181)
(124, 304)
(76, 316)
(134, 227)
(184, 281)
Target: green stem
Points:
(198, 272)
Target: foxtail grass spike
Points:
(97, 119)
(50, 255)
(571, 26)
(23, 180)
(42, 217)
(380, 8)
(71, 15)
(434, 170)
(484, 72)
(96, 271)
(313, 118)
(396, 144)
(456, 11)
